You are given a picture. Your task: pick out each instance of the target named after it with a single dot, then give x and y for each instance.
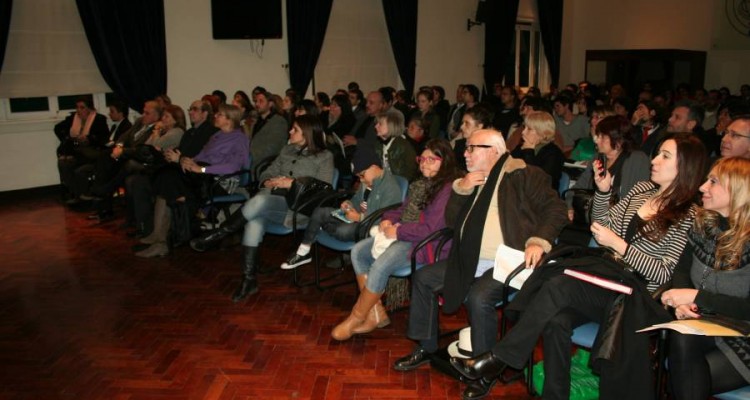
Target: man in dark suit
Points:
(118, 113)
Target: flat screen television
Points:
(246, 19)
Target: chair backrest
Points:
(335, 180)
(403, 184)
(247, 176)
(261, 166)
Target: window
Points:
(29, 104)
(527, 65)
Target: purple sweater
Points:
(225, 153)
(433, 217)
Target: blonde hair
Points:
(734, 174)
(543, 123)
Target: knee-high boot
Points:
(249, 285)
(365, 302)
(234, 223)
(377, 317)
(162, 221)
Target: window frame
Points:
(100, 103)
(538, 70)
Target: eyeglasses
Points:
(471, 147)
(193, 109)
(734, 135)
(428, 160)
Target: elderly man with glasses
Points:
(736, 140)
(500, 201)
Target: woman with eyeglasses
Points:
(538, 146)
(713, 277)
(420, 215)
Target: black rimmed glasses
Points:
(428, 160)
(471, 147)
(734, 135)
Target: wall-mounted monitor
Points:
(246, 19)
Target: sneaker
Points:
(296, 260)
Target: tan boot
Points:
(365, 302)
(160, 210)
(159, 247)
(376, 318)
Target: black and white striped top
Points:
(654, 260)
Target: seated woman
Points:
(420, 215)
(305, 155)
(378, 189)
(647, 231)
(713, 276)
(397, 154)
(169, 130)
(626, 166)
(226, 152)
(538, 146)
(425, 111)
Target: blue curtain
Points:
(498, 39)
(550, 25)
(129, 46)
(306, 28)
(6, 7)
(401, 18)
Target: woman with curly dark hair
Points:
(421, 214)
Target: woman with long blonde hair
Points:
(713, 277)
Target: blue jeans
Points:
(395, 257)
(258, 211)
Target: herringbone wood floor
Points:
(82, 318)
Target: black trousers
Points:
(698, 369)
(480, 302)
(561, 305)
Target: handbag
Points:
(304, 191)
(583, 200)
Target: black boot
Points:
(235, 222)
(486, 365)
(249, 285)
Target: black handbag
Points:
(583, 199)
(302, 195)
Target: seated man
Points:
(82, 135)
(378, 189)
(519, 209)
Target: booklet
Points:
(340, 214)
(599, 281)
(508, 259)
(705, 326)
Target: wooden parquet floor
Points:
(82, 318)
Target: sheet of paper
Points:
(506, 260)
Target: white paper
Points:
(506, 260)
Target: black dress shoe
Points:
(486, 365)
(478, 389)
(412, 361)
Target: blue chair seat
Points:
(585, 334)
(739, 394)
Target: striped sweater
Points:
(654, 260)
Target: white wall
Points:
(618, 25)
(197, 64)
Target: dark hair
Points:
(566, 99)
(617, 128)
(87, 101)
(696, 112)
(481, 113)
(214, 101)
(164, 98)
(626, 103)
(220, 94)
(387, 93)
(533, 91)
(352, 86)
(343, 102)
(537, 104)
(209, 110)
(309, 106)
(422, 123)
(359, 94)
(245, 97)
(323, 98)
(312, 130)
(258, 89)
(177, 113)
(680, 195)
(448, 171)
(473, 91)
(440, 91)
(120, 106)
(245, 103)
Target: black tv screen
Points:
(246, 19)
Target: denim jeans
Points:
(258, 211)
(395, 257)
